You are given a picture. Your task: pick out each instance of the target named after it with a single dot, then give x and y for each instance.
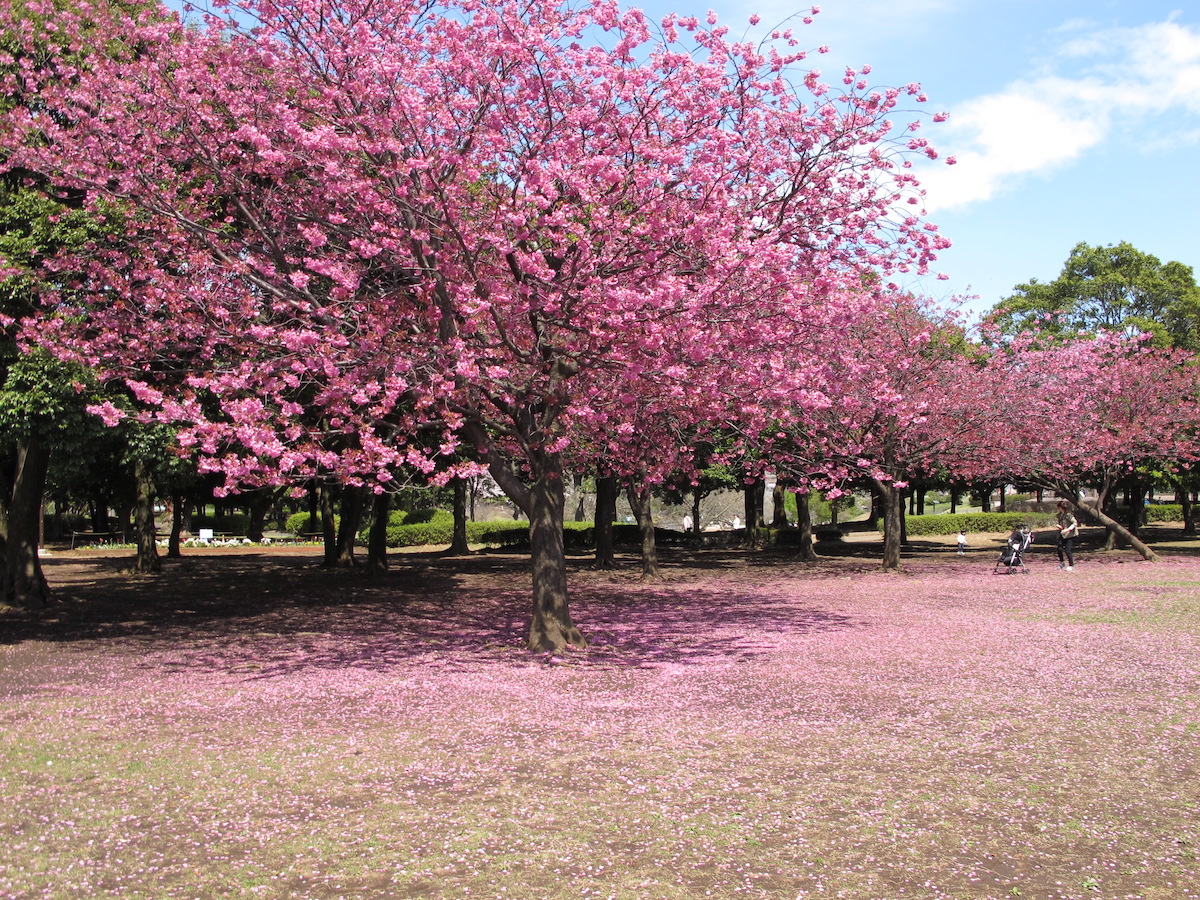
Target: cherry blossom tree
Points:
(1093, 410)
(360, 225)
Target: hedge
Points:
(1164, 512)
(230, 523)
(952, 523)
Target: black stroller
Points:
(1012, 557)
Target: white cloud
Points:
(1140, 84)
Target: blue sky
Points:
(1071, 121)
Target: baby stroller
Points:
(1012, 557)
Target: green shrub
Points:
(298, 524)
(952, 523)
(1164, 512)
(230, 523)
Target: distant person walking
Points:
(1068, 530)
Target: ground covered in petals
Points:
(252, 726)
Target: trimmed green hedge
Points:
(231, 523)
(952, 523)
(1164, 512)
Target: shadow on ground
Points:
(269, 615)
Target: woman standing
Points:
(1068, 529)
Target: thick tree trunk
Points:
(377, 561)
(754, 495)
(808, 552)
(696, 498)
(1188, 511)
(606, 513)
(147, 562)
(640, 499)
(551, 629)
(1115, 528)
(24, 583)
(580, 498)
(779, 506)
(893, 511)
(174, 541)
(258, 505)
(347, 532)
(328, 526)
(1003, 507)
(458, 537)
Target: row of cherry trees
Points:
(370, 242)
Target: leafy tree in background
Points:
(1116, 288)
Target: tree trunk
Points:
(1003, 498)
(580, 497)
(328, 526)
(1115, 528)
(893, 511)
(347, 532)
(147, 561)
(640, 499)
(377, 562)
(544, 502)
(808, 552)
(754, 494)
(173, 542)
(921, 500)
(258, 505)
(1188, 511)
(779, 506)
(696, 498)
(606, 513)
(24, 583)
(551, 629)
(458, 540)
(953, 501)
(315, 509)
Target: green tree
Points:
(1112, 288)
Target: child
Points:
(962, 542)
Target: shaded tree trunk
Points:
(640, 499)
(377, 561)
(315, 510)
(328, 525)
(258, 505)
(779, 506)
(458, 539)
(1188, 511)
(808, 552)
(1115, 528)
(754, 495)
(25, 584)
(147, 561)
(1003, 498)
(173, 542)
(580, 497)
(696, 498)
(606, 513)
(550, 628)
(893, 512)
(347, 532)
